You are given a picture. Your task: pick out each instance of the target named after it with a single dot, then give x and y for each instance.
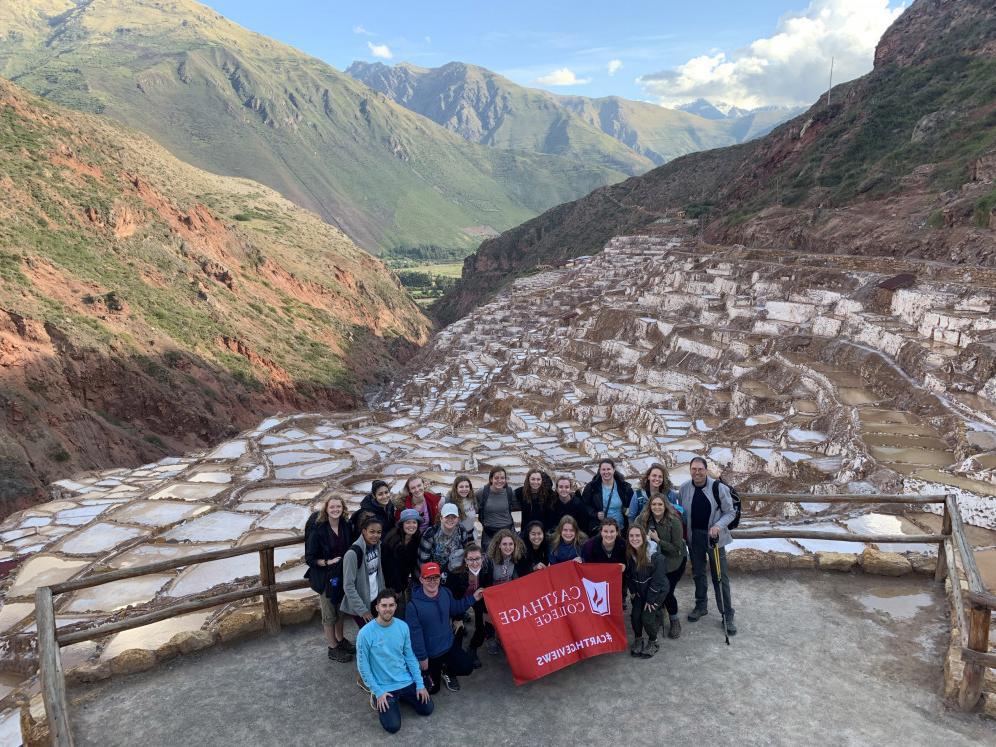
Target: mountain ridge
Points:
(236, 102)
(902, 162)
(483, 106)
(148, 307)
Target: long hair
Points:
(395, 539)
(454, 497)
(558, 534)
(666, 486)
(323, 512)
(646, 515)
(494, 549)
(639, 556)
(494, 471)
(544, 497)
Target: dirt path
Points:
(818, 660)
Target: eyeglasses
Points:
(431, 578)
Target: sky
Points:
(747, 53)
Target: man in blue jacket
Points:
(388, 665)
(429, 615)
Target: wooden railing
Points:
(952, 542)
(50, 639)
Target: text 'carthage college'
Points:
(547, 608)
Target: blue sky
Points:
(748, 53)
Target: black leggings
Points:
(670, 603)
(482, 630)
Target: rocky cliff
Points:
(900, 162)
(147, 307)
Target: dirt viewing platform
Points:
(821, 658)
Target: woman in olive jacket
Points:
(663, 525)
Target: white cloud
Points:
(362, 31)
(380, 50)
(792, 66)
(614, 66)
(562, 77)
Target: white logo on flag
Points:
(598, 596)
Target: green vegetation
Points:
(234, 102)
(984, 210)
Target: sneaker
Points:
(331, 653)
(475, 659)
(494, 647)
(637, 648)
(430, 684)
(731, 627)
(341, 655)
(360, 684)
(696, 613)
(347, 645)
(650, 649)
(675, 630)
(451, 682)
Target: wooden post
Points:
(267, 578)
(975, 673)
(942, 558)
(50, 666)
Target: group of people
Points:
(411, 569)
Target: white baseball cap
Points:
(450, 509)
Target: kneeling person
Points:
(428, 615)
(388, 665)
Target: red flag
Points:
(557, 616)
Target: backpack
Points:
(734, 496)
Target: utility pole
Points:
(830, 83)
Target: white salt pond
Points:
(145, 554)
(889, 524)
(203, 576)
(288, 493)
(776, 544)
(313, 470)
(157, 513)
(812, 545)
(189, 491)
(98, 538)
(220, 525)
(151, 637)
(115, 596)
(228, 451)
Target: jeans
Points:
(456, 663)
(391, 718)
(700, 550)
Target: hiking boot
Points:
(430, 684)
(637, 648)
(340, 654)
(675, 630)
(650, 649)
(360, 684)
(347, 645)
(494, 647)
(474, 658)
(331, 653)
(696, 613)
(451, 682)
(731, 627)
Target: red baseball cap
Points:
(430, 569)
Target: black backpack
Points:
(734, 495)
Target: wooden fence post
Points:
(267, 577)
(975, 674)
(942, 559)
(50, 666)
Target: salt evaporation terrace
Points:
(791, 374)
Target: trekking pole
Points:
(719, 586)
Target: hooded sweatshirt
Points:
(429, 618)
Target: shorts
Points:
(330, 612)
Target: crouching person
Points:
(429, 615)
(388, 665)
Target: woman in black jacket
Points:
(463, 582)
(325, 544)
(646, 578)
(535, 497)
(566, 502)
(537, 545)
(377, 503)
(399, 556)
(607, 496)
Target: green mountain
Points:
(235, 102)
(484, 107)
(148, 307)
(901, 163)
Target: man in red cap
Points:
(428, 615)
